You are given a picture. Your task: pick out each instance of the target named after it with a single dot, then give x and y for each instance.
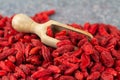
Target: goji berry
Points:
(24, 57)
(79, 75)
(85, 61)
(94, 76)
(43, 73)
(107, 59)
(66, 78)
(55, 69)
(46, 53)
(3, 72)
(93, 28)
(49, 32)
(106, 76)
(34, 50)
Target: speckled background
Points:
(67, 11)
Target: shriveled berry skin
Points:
(24, 57)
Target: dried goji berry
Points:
(27, 49)
(46, 78)
(49, 32)
(19, 58)
(95, 55)
(2, 21)
(5, 78)
(85, 61)
(77, 52)
(97, 67)
(20, 72)
(34, 59)
(65, 48)
(3, 66)
(63, 42)
(3, 72)
(94, 76)
(12, 58)
(66, 78)
(111, 71)
(25, 69)
(12, 77)
(107, 59)
(10, 65)
(79, 75)
(102, 30)
(7, 53)
(87, 48)
(43, 73)
(62, 37)
(87, 26)
(71, 69)
(46, 53)
(34, 50)
(106, 76)
(24, 57)
(115, 53)
(36, 42)
(93, 28)
(55, 69)
(20, 47)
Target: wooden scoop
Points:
(23, 23)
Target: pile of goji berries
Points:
(24, 57)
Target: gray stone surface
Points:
(68, 11)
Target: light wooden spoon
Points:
(23, 23)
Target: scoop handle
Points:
(23, 23)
